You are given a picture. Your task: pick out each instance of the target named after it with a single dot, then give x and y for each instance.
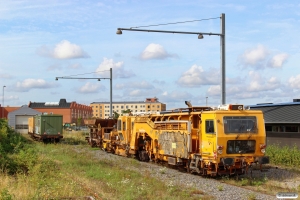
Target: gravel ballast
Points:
(210, 186)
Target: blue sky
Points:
(41, 40)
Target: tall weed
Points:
(284, 155)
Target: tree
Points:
(116, 115)
(79, 119)
(126, 111)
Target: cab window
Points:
(209, 126)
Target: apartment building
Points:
(102, 109)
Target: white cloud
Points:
(159, 82)
(262, 84)
(135, 85)
(255, 56)
(155, 51)
(176, 96)
(10, 97)
(214, 90)
(118, 70)
(63, 50)
(136, 93)
(89, 88)
(294, 82)
(28, 84)
(120, 86)
(278, 60)
(196, 76)
(141, 85)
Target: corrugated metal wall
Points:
(22, 113)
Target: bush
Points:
(286, 155)
(15, 156)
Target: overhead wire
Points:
(87, 73)
(177, 22)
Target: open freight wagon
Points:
(46, 127)
(99, 133)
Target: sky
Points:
(44, 39)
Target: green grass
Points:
(284, 155)
(69, 170)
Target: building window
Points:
(157, 106)
(268, 128)
(291, 128)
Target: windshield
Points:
(240, 124)
(240, 146)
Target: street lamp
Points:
(206, 101)
(110, 78)
(200, 36)
(3, 102)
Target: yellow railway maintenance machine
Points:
(209, 141)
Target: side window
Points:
(209, 126)
(119, 125)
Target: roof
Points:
(24, 110)
(61, 104)
(125, 102)
(279, 113)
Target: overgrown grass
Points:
(284, 155)
(69, 170)
(33, 170)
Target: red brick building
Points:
(71, 111)
(6, 110)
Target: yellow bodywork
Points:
(200, 139)
(31, 125)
